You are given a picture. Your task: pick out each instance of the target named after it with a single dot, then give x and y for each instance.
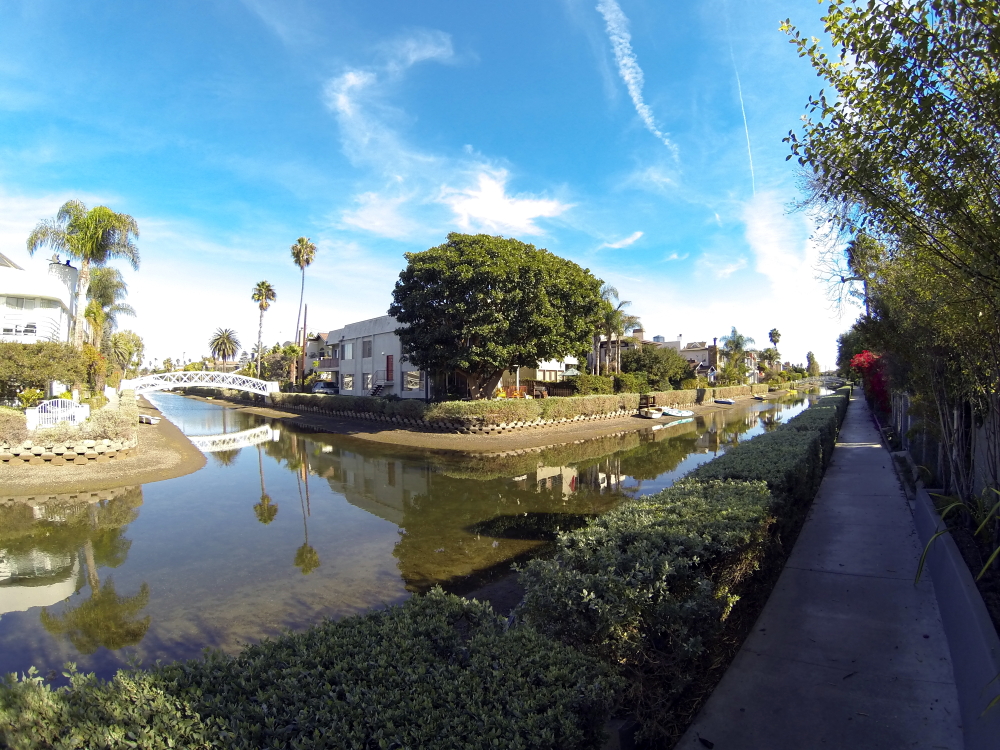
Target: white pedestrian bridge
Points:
(166, 381)
(230, 441)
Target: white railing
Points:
(209, 378)
(232, 440)
(51, 413)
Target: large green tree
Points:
(478, 305)
(663, 365)
(36, 365)
(93, 237)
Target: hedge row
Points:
(497, 411)
(650, 584)
(436, 672)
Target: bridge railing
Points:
(205, 378)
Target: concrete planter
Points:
(972, 639)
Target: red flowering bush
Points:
(873, 374)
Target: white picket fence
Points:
(51, 413)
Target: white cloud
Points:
(675, 256)
(721, 267)
(628, 65)
(474, 189)
(624, 242)
(380, 214)
(487, 206)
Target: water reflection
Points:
(50, 550)
(375, 523)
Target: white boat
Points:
(677, 413)
(651, 412)
(148, 419)
(727, 401)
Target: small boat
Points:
(651, 412)
(726, 401)
(148, 419)
(677, 413)
(759, 398)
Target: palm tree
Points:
(224, 345)
(303, 253)
(306, 556)
(734, 346)
(126, 350)
(615, 321)
(774, 337)
(263, 294)
(608, 293)
(93, 237)
(107, 292)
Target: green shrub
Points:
(689, 384)
(30, 397)
(632, 382)
(437, 672)
(13, 428)
(59, 433)
(646, 585)
(114, 422)
(586, 385)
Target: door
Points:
(388, 368)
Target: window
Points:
(366, 378)
(50, 303)
(347, 351)
(348, 384)
(413, 380)
(15, 303)
(366, 349)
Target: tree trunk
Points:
(260, 340)
(82, 285)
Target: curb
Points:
(972, 639)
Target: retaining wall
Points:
(79, 452)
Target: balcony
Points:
(328, 363)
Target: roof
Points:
(370, 327)
(16, 282)
(6, 262)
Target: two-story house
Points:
(369, 362)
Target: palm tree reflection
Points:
(265, 510)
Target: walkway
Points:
(847, 653)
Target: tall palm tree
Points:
(93, 237)
(616, 321)
(263, 294)
(608, 293)
(303, 253)
(774, 336)
(224, 345)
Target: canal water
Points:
(282, 528)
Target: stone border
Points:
(40, 500)
(972, 639)
(78, 453)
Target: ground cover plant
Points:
(650, 585)
(436, 672)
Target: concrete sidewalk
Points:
(847, 653)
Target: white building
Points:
(36, 306)
(369, 361)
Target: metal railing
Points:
(54, 412)
(167, 380)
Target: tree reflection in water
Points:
(265, 510)
(95, 533)
(306, 557)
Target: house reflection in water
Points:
(50, 548)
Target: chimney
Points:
(639, 334)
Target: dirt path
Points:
(163, 453)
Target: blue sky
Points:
(609, 132)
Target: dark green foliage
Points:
(665, 368)
(646, 585)
(632, 382)
(478, 305)
(437, 672)
(36, 365)
(586, 385)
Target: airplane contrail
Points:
(746, 128)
